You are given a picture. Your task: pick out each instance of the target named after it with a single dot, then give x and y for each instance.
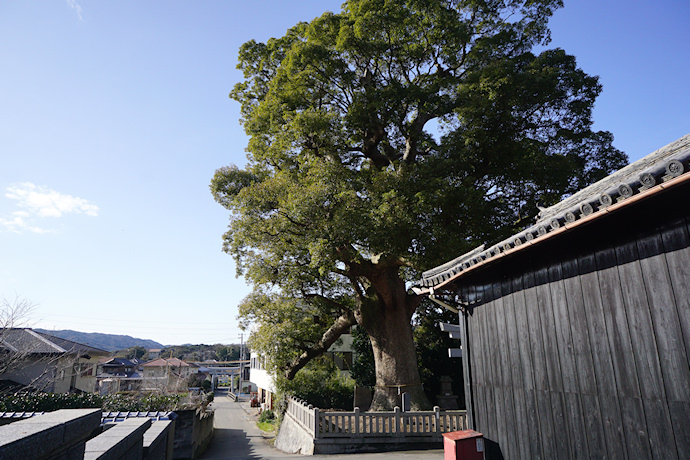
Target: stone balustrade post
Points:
(398, 422)
(317, 415)
(437, 418)
(357, 434)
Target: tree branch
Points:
(328, 300)
(339, 327)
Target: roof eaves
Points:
(658, 171)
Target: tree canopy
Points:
(384, 140)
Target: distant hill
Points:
(109, 342)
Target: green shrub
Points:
(321, 384)
(266, 416)
(47, 402)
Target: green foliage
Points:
(269, 426)
(197, 380)
(46, 402)
(432, 351)
(142, 403)
(321, 384)
(201, 352)
(363, 368)
(267, 415)
(349, 191)
(267, 421)
(228, 353)
(135, 352)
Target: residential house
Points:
(262, 378)
(576, 331)
(48, 363)
(154, 353)
(340, 352)
(118, 374)
(167, 374)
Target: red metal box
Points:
(463, 445)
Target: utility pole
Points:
(239, 390)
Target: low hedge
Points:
(47, 402)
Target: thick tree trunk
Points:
(386, 316)
(396, 366)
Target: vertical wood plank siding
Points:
(581, 350)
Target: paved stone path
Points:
(238, 438)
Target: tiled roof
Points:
(110, 417)
(163, 362)
(637, 178)
(27, 340)
(106, 417)
(117, 362)
(134, 375)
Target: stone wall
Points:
(59, 435)
(73, 434)
(193, 432)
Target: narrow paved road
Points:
(238, 438)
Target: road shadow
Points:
(230, 444)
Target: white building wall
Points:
(259, 376)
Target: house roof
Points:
(164, 362)
(134, 375)
(27, 340)
(117, 362)
(659, 170)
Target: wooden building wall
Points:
(578, 347)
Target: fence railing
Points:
(321, 424)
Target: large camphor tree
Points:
(387, 139)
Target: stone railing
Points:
(305, 415)
(332, 432)
(322, 424)
(388, 424)
(69, 434)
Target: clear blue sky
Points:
(114, 116)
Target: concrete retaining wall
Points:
(193, 432)
(294, 439)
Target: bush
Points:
(143, 402)
(321, 384)
(48, 402)
(266, 416)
